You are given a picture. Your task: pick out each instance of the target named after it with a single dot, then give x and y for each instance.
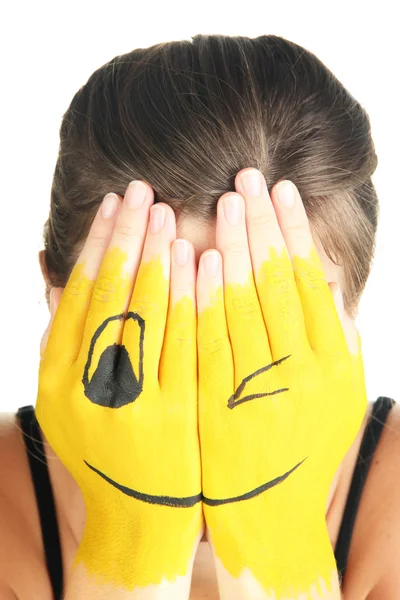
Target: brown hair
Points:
(186, 116)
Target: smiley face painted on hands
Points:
(114, 383)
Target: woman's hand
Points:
(117, 400)
(281, 399)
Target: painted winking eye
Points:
(236, 398)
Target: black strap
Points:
(44, 497)
(372, 433)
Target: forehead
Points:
(201, 234)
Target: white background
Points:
(49, 50)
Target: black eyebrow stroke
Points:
(234, 400)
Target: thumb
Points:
(348, 325)
(54, 300)
(338, 298)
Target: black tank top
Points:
(47, 511)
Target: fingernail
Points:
(137, 194)
(157, 218)
(252, 183)
(211, 263)
(109, 205)
(286, 194)
(233, 209)
(181, 252)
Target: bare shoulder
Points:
(375, 544)
(387, 514)
(20, 548)
(14, 474)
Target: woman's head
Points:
(186, 116)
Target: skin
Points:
(202, 238)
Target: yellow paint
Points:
(150, 445)
(280, 536)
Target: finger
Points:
(247, 331)
(322, 322)
(144, 328)
(273, 271)
(114, 277)
(215, 360)
(178, 367)
(65, 338)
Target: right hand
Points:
(117, 399)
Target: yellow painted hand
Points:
(281, 399)
(117, 401)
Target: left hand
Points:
(281, 399)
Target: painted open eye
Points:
(115, 381)
(237, 397)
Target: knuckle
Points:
(183, 341)
(182, 289)
(278, 274)
(298, 229)
(99, 241)
(235, 248)
(77, 287)
(105, 289)
(262, 219)
(246, 306)
(312, 277)
(145, 306)
(212, 346)
(282, 281)
(123, 231)
(181, 330)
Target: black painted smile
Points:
(162, 500)
(189, 501)
(258, 490)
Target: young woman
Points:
(191, 118)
